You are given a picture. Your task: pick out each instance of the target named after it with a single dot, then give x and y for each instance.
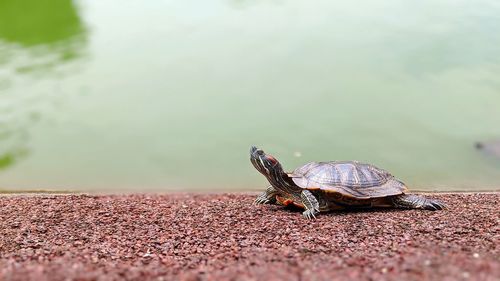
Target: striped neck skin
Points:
(279, 180)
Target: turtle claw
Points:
(310, 214)
(413, 201)
(433, 205)
(438, 205)
(261, 200)
(267, 197)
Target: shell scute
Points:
(351, 178)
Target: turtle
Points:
(335, 185)
(489, 147)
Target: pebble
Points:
(225, 237)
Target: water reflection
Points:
(176, 91)
(48, 28)
(37, 37)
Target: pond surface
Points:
(170, 95)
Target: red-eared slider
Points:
(335, 185)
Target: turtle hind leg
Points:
(412, 201)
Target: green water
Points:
(150, 95)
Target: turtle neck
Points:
(279, 180)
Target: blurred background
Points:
(169, 95)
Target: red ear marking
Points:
(272, 159)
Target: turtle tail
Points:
(412, 201)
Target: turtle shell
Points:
(350, 178)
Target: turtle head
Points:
(264, 163)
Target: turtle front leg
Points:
(267, 197)
(310, 203)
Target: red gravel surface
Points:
(224, 237)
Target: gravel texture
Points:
(224, 237)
